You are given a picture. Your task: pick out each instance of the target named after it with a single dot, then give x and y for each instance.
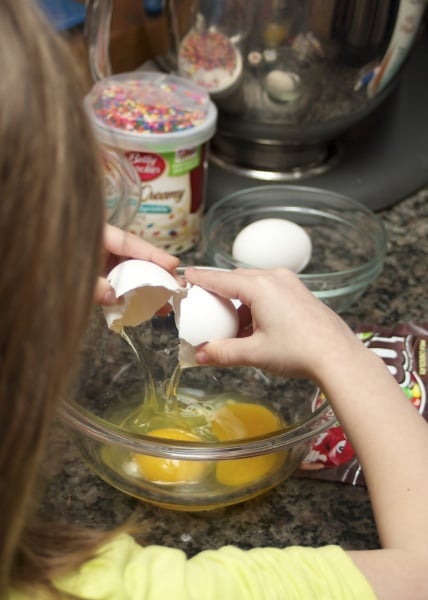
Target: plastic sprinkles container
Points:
(162, 124)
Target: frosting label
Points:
(170, 213)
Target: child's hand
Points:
(284, 328)
(121, 244)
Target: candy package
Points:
(403, 348)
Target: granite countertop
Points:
(298, 511)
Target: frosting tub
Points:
(161, 124)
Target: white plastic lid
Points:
(150, 111)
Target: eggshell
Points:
(145, 288)
(270, 243)
(202, 317)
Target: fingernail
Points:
(109, 297)
(202, 358)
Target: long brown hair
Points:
(51, 217)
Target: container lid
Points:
(150, 111)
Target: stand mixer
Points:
(289, 77)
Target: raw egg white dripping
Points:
(145, 287)
(271, 243)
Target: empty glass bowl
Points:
(129, 405)
(122, 189)
(348, 239)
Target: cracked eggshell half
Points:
(202, 316)
(145, 288)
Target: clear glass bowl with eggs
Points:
(195, 438)
(335, 244)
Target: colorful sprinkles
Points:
(208, 50)
(148, 107)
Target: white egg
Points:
(145, 288)
(270, 243)
(282, 85)
(202, 317)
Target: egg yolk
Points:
(169, 470)
(238, 421)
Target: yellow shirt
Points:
(124, 570)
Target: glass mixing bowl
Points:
(348, 239)
(122, 189)
(112, 411)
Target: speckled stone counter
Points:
(298, 511)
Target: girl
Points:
(51, 238)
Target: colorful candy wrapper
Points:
(403, 348)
